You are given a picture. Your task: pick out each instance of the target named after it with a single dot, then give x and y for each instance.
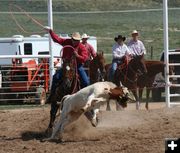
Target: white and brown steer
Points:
(85, 100)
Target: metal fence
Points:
(26, 82)
(173, 92)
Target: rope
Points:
(17, 23)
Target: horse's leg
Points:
(54, 106)
(54, 109)
(134, 91)
(108, 108)
(147, 97)
(140, 93)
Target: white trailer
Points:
(33, 45)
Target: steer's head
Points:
(121, 94)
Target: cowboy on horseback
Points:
(120, 51)
(89, 47)
(135, 45)
(80, 53)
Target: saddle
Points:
(124, 64)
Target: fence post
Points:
(166, 50)
(50, 24)
(152, 52)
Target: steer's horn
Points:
(131, 97)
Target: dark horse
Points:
(70, 83)
(97, 68)
(128, 75)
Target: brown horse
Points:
(153, 68)
(128, 76)
(70, 83)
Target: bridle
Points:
(72, 59)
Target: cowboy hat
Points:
(76, 36)
(119, 37)
(85, 36)
(134, 32)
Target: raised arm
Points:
(56, 38)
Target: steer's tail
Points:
(61, 103)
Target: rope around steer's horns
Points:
(11, 6)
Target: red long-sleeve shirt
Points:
(79, 48)
(91, 51)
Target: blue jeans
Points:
(82, 74)
(83, 77)
(115, 63)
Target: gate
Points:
(173, 84)
(172, 98)
(26, 82)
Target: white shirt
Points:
(136, 47)
(119, 51)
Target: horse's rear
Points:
(153, 68)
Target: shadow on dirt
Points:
(31, 135)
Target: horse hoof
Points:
(48, 132)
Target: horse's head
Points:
(99, 61)
(69, 73)
(139, 64)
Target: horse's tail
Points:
(61, 103)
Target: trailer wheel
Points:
(40, 96)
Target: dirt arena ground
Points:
(127, 131)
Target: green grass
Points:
(86, 5)
(105, 27)
(80, 5)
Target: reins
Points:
(127, 67)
